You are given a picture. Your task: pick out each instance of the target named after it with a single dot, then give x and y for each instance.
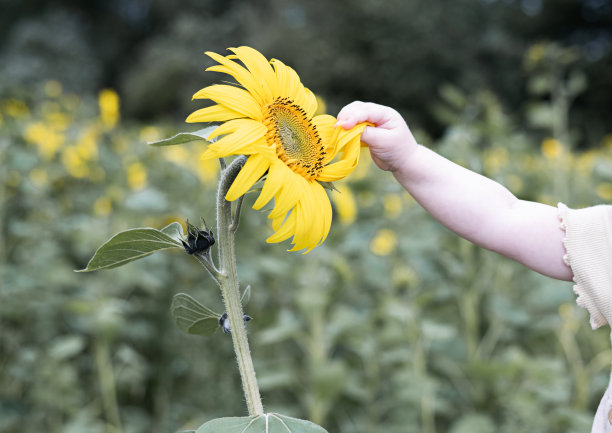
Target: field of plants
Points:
(393, 324)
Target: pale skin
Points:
(467, 203)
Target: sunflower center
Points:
(295, 138)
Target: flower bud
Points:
(198, 240)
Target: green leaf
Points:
(130, 245)
(192, 317)
(174, 230)
(186, 137)
(268, 423)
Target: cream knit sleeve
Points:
(588, 245)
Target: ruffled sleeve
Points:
(588, 245)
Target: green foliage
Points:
(185, 137)
(193, 317)
(130, 245)
(267, 423)
(394, 324)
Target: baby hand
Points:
(390, 140)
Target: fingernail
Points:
(341, 122)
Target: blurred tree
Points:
(399, 53)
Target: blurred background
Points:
(394, 324)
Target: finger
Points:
(359, 112)
(372, 136)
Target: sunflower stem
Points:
(228, 281)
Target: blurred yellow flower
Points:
(366, 198)
(536, 53)
(321, 106)
(102, 206)
(86, 146)
(405, 275)
(53, 88)
(108, 102)
(177, 154)
(270, 117)
(345, 205)
(584, 162)
(136, 176)
(604, 191)
(38, 177)
(514, 183)
(57, 121)
(552, 148)
(15, 108)
(365, 162)
(149, 134)
(120, 143)
(12, 178)
(383, 242)
(207, 170)
(73, 163)
(495, 158)
(393, 205)
(47, 140)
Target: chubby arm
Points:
(473, 206)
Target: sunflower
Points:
(269, 116)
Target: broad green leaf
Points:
(174, 230)
(129, 245)
(268, 423)
(193, 317)
(186, 137)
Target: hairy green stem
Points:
(107, 385)
(228, 280)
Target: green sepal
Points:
(267, 423)
(329, 185)
(192, 317)
(186, 137)
(130, 245)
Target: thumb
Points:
(373, 136)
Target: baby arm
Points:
(473, 206)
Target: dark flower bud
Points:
(224, 322)
(198, 240)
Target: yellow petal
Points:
(271, 186)
(215, 113)
(285, 231)
(259, 67)
(324, 209)
(344, 167)
(308, 101)
(309, 222)
(241, 74)
(234, 98)
(246, 140)
(232, 126)
(325, 125)
(288, 80)
(339, 140)
(253, 169)
(288, 195)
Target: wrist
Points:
(406, 163)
